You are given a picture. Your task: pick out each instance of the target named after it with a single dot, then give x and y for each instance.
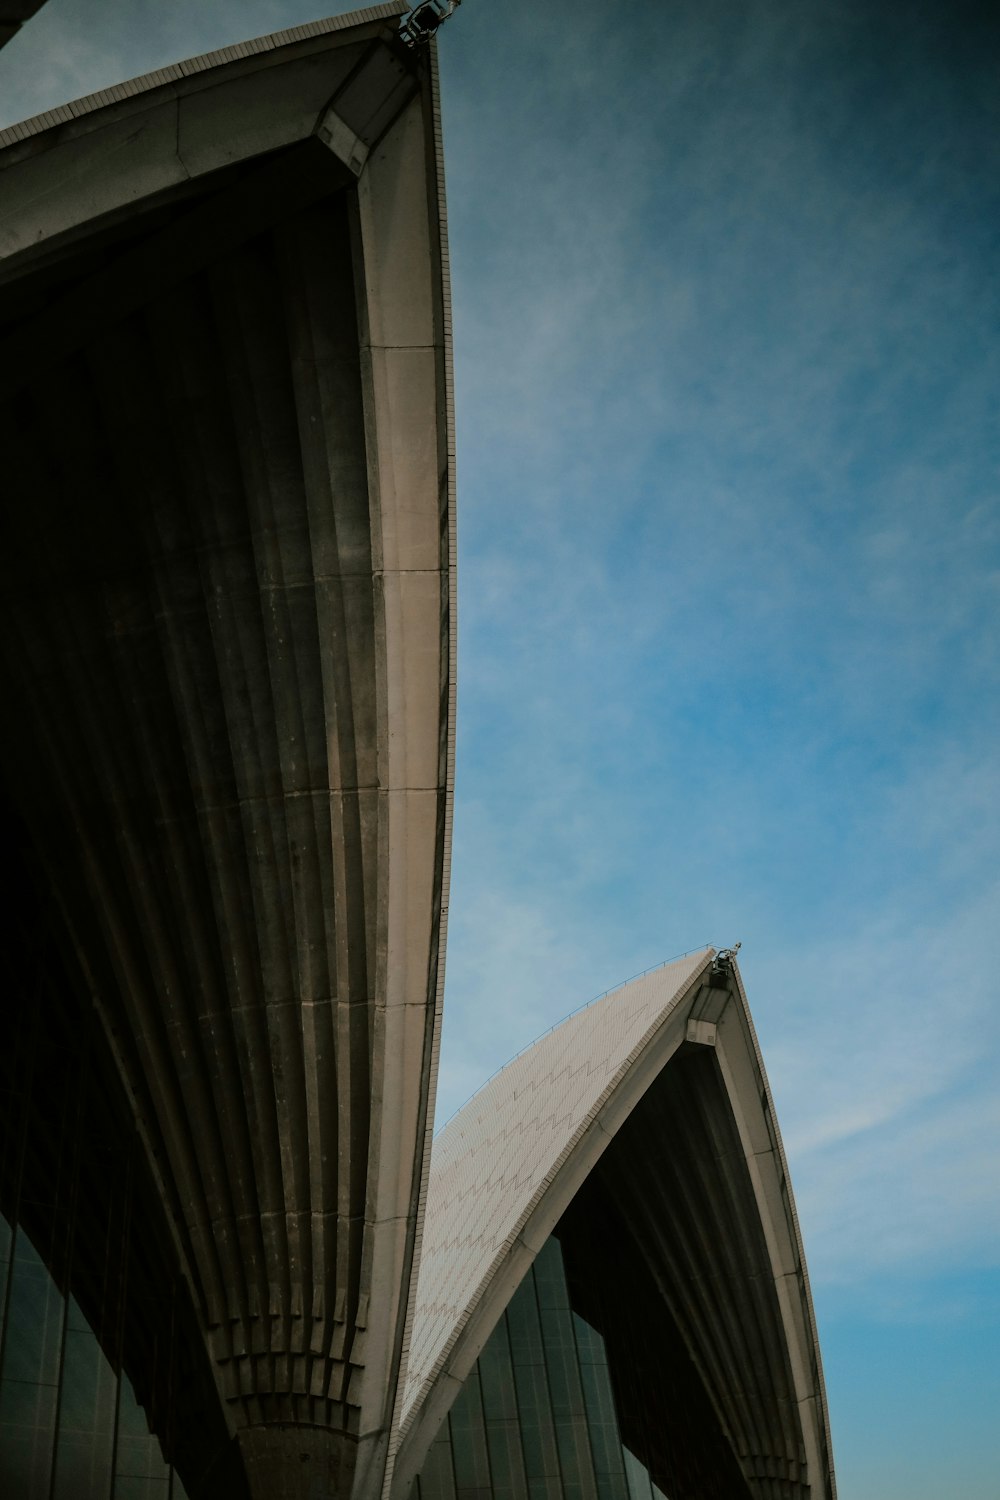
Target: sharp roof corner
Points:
(495, 1158)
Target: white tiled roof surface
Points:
(494, 1159)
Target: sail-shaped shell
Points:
(228, 667)
(648, 1111)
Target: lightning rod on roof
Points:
(419, 24)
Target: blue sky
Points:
(726, 306)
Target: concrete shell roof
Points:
(706, 1191)
(495, 1158)
(227, 558)
(176, 73)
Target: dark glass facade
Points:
(537, 1416)
(70, 1425)
(105, 1391)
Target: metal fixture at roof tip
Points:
(722, 967)
(419, 24)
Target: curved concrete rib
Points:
(228, 566)
(507, 1167)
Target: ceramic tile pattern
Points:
(493, 1159)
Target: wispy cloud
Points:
(730, 543)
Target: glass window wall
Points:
(70, 1426)
(536, 1417)
(96, 1343)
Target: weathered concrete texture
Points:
(296, 1463)
(228, 645)
(658, 1091)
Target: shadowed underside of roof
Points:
(649, 1112)
(229, 652)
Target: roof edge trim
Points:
(813, 1390)
(144, 83)
(569, 1016)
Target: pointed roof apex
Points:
(499, 1168)
(507, 1167)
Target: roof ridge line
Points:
(612, 989)
(203, 62)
